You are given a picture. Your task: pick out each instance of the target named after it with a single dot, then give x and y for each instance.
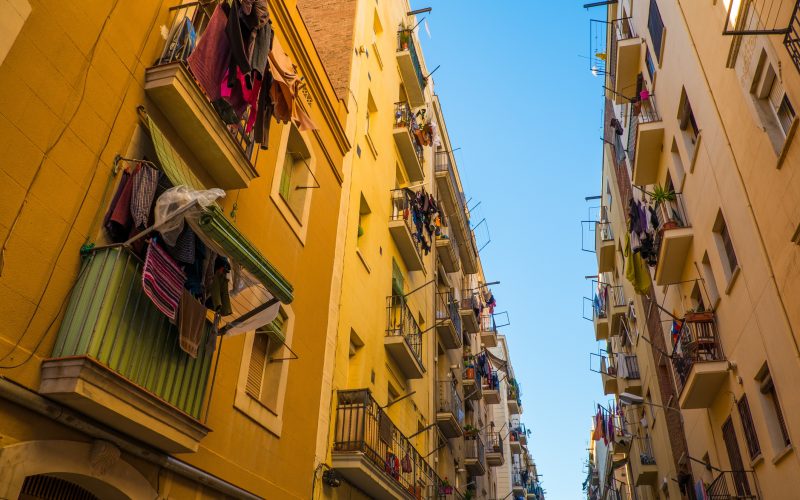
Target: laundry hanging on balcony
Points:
(245, 72)
(635, 269)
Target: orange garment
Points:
(285, 88)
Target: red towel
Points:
(162, 281)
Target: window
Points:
(753, 448)
(656, 27)
(398, 282)
(688, 124)
(363, 219)
(776, 424)
(774, 108)
(725, 245)
(372, 111)
(294, 180)
(261, 388)
(710, 281)
(677, 163)
(651, 67)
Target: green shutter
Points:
(286, 177)
(398, 281)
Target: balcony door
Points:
(735, 457)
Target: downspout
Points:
(742, 183)
(61, 414)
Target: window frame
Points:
(749, 428)
(299, 222)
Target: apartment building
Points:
(117, 382)
(696, 243)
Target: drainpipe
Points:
(58, 413)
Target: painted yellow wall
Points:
(72, 80)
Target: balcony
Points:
(116, 358)
(515, 443)
(514, 405)
(518, 483)
(403, 339)
(600, 320)
(608, 372)
(225, 151)
(491, 390)
(474, 455)
(645, 471)
(647, 130)
(448, 321)
(630, 380)
(403, 231)
(473, 390)
(674, 239)
(625, 51)
(470, 311)
(408, 144)
(494, 450)
(731, 485)
(410, 66)
(456, 208)
(449, 409)
(366, 440)
(699, 363)
(488, 330)
(447, 248)
(618, 306)
(604, 243)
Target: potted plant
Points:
(445, 488)
(405, 36)
(662, 198)
(470, 430)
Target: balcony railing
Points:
(193, 18)
(474, 449)
(404, 118)
(646, 455)
(447, 309)
(363, 426)
(402, 211)
(449, 401)
(110, 320)
(495, 442)
(628, 366)
(698, 343)
(517, 478)
(405, 42)
(734, 485)
(442, 163)
(621, 29)
(672, 214)
(400, 321)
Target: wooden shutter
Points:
(735, 457)
(255, 370)
(753, 446)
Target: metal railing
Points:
(447, 308)
(487, 323)
(646, 455)
(648, 112)
(402, 210)
(192, 19)
(517, 479)
(621, 29)
(603, 226)
(792, 38)
(444, 232)
(404, 118)
(474, 449)
(405, 41)
(110, 320)
(698, 343)
(467, 295)
(495, 442)
(400, 321)
(633, 127)
(363, 426)
(631, 366)
(734, 485)
(672, 214)
(449, 401)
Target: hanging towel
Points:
(210, 58)
(191, 319)
(162, 280)
(635, 269)
(144, 181)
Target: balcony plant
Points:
(470, 430)
(405, 37)
(662, 198)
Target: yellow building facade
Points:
(98, 397)
(700, 125)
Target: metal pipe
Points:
(61, 414)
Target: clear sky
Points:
(520, 101)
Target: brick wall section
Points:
(655, 332)
(331, 24)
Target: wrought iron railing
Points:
(405, 41)
(400, 321)
(646, 455)
(448, 400)
(495, 442)
(363, 426)
(445, 232)
(698, 343)
(621, 29)
(734, 485)
(474, 449)
(672, 214)
(187, 25)
(447, 308)
(792, 38)
(487, 323)
(402, 211)
(603, 226)
(404, 118)
(110, 320)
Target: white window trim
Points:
(299, 224)
(252, 407)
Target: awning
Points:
(214, 228)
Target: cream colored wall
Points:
(735, 171)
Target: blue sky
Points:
(520, 102)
